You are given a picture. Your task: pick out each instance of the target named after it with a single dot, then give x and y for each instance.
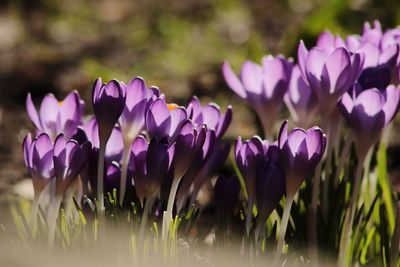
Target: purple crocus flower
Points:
(150, 163)
(330, 73)
(262, 87)
(209, 115)
(368, 112)
(69, 160)
(257, 161)
(300, 152)
(164, 121)
(195, 168)
(327, 40)
(188, 144)
(379, 65)
(108, 104)
(301, 101)
(38, 156)
(250, 156)
(270, 188)
(114, 145)
(132, 120)
(55, 116)
(216, 159)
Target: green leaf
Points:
(384, 184)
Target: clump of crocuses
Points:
(135, 143)
(139, 150)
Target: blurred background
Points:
(178, 45)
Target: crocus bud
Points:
(188, 144)
(55, 116)
(38, 156)
(301, 101)
(270, 188)
(69, 160)
(108, 103)
(368, 112)
(164, 121)
(262, 87)
(330, 73)
(150, 163)
(250, 156)
(300, 152)
(195, 168)
(215, 161)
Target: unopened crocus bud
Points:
(108, 103)
(250, 156)
(164, 121)
(269, 191)
(55, 116)
(150, 163)
(69, 160)
(300, 152)
(38, 156)
(189, 143)
(368, 112)
(262, 87)
(195, 168)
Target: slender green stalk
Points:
(249, 214)
(124, 170)
(395, 243)
(167, 216)
(143, 223)
(35, 210)
(100, 178)
(284, 224)
(343, 158)
(312, 215)
(325, 185)
(53, 219)
(350, 213)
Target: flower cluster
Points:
(149, 150)
(164, 143)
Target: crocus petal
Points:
(251, 76)
(32, 112)
(233, 81)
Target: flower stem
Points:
(124, 171)
(249, 214)
(167, 216)
(100, 178)
(147, 208)
(53, 219)
(312, 216)
(325, 186)
(284, 224)
(34, 214)
(343, 158)
(349, 217)
(395, 243)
